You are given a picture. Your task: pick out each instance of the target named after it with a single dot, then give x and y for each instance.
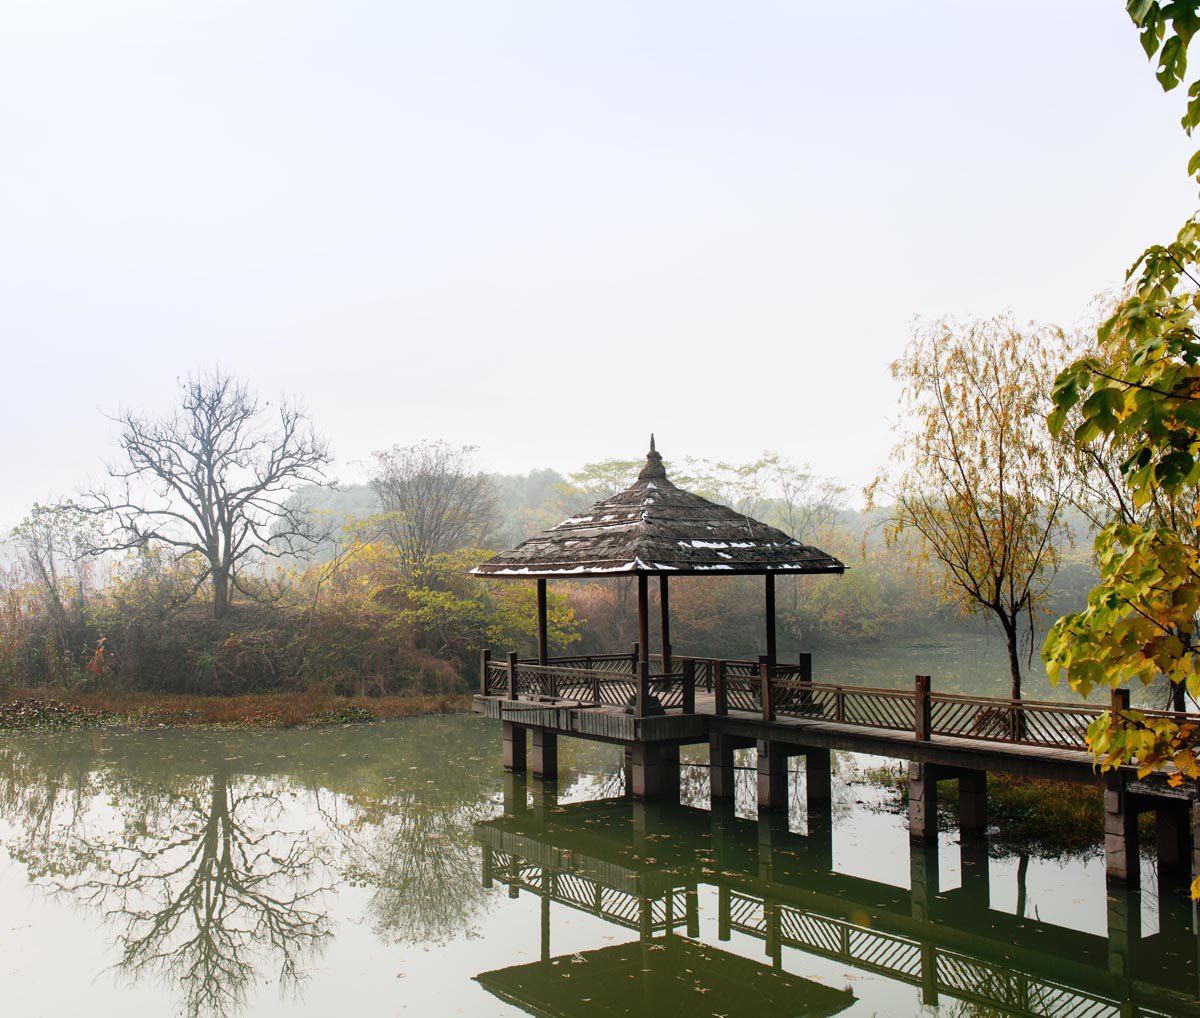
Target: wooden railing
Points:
(788, 691)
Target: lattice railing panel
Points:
(617, 692)
(878, 708)
(798, 699)
(1015, 992)
(971, 718)
(885, 953)
(1064, 727)
(496, 676)
(813, 932)
(747, 914)
(743, 686)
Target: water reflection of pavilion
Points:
(642, 866)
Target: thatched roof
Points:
(654, 527)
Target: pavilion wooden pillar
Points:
(769, 591)
(643, 672)
(542, 642)
(664, 607)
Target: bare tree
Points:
(52, 545)
(434, 501)
(212, 481)
(806, 504)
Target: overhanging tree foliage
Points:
(1137, 399)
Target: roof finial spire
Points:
(653, 469)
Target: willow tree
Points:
(975, 481)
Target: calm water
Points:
(393, 870)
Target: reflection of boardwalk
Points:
(639, 867)
(935, 970)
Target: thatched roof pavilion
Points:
(655, 528)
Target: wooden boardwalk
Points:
(1032, 740)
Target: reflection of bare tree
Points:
(421, 861)
(202, 883)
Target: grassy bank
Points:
(42, 709)
(1046, 819)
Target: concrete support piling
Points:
(772, 776)
(1120, 831)
(668, 767)
(1172, 822)
(818, 780)
(647, 770)
(721, 768)
(514, 747)
(545, 753)
(972, 803)
(922, 802)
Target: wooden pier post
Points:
(922, 720)
(642, 707)
(691, 907)
(689, 687)
(720, 695)
(512, 674)
(766, 672)
(545, 753)
(769, 598)
(485, 657)
(542, 636)
(664, 612)
(805, 675)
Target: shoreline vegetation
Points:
(55, 710)
(1044, 819)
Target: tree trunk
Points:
(1014, 655)
(220, 583)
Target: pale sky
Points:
(550, 228)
